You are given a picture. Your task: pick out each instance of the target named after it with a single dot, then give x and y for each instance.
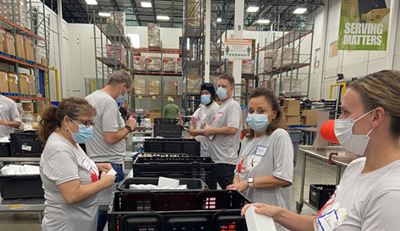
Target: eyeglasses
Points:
(86, 123)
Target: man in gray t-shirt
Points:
(224, 132)
(9, 116)
(109, 131)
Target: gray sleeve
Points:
(110, 119)
(14, 113)
(283, 157)
(61, 168)
(382, 213)
(234, 117)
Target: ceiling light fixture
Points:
(146, 4)
(263, 21)
(300, 10)
(162, 18)
(252, 9)
(91, 2)
(104, 14)
(219, 19)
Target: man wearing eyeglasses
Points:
(109, 132)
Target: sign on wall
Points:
(238, 49)
(364, 24)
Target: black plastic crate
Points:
(191, 183)
(21, 186)
(217, 210)
(188, 146)
(175, 166)
(4, 149)
(25, 144)
(167, 131)
(165, 121)
(320, 194)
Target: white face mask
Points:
(344, 133)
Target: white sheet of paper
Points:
(112, 172)
(257, 222)
(5, 139)
(168, 182)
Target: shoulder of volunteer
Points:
(280, 133)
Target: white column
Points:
(394, 17)
(60, 47)
(324, 49)
(207, 42)
(238, 34)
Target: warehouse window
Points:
(135, 40)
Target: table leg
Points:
(300, 203)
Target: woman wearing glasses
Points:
(70, 179)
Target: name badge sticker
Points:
(261, 150)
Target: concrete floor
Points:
(317, 172)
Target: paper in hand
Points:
(112, 172)
(257, 222)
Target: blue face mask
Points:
(121, 100)
(205, 99)
(222, 93)
(83, 135)
(257, 122)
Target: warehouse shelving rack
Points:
(162, 75)
(297, 69)
(36, 28)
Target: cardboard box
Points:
(178, 65)
(24, 84)
(168, 64)
(154, 87)
(4, 82)
(248, 66)
(9, 44)
(20, 46)
(32, 84)
(139, 63)
(2, 40)
(310, 117)
(29, 53)
(291, 107)
(12, 83)
(153, 63)
(139, 86)
(292, 120)
(170, 87)
(154, 115)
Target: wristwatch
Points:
(129, 128)
(250, 182)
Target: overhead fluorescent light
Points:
(263, 21)
(104, 14)
(146, 4)
(219, 19)
(300, 10)
(91, 2)
(162, 18)
(252, 9)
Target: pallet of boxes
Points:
(291, 109)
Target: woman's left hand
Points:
(104, 167)
(242, 186)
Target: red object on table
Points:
(328, 131)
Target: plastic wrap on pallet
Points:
(248, 66)
(116, 23)
(139, 86)
(116, 51)
(294, 88)
(193, 82)
(170, 87)
(178, 65)
(154, 87)
(153, 63)
(194, 12)
(139, 63)
(2, 40)
(286, 56)
(16, 11)
(153, 35)
(168, 64)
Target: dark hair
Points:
(230, 79)
(52, 117)
(120, 77)
(210, 88)
(381, 89)
(278, 121)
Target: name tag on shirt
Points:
(328, 221)
(261, 150)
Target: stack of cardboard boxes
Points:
(23, 44)
(291, 109)
(11, 83)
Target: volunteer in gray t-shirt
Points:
(224, 132)
(368, 196)
(109, 131)
(70, 179)
(9, 116)
(265, 168)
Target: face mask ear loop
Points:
(359, 118)
(370, 132)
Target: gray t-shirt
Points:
(367, 202)
(203, 115)
(268, 156)
(8, 111)
(108, 119)
(224, 148)
(61, 162)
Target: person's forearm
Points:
(75, 192)
(236, 179)
(269, 182)
(115, 137)
(14, 124)
(224, 131)
(294, 221)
